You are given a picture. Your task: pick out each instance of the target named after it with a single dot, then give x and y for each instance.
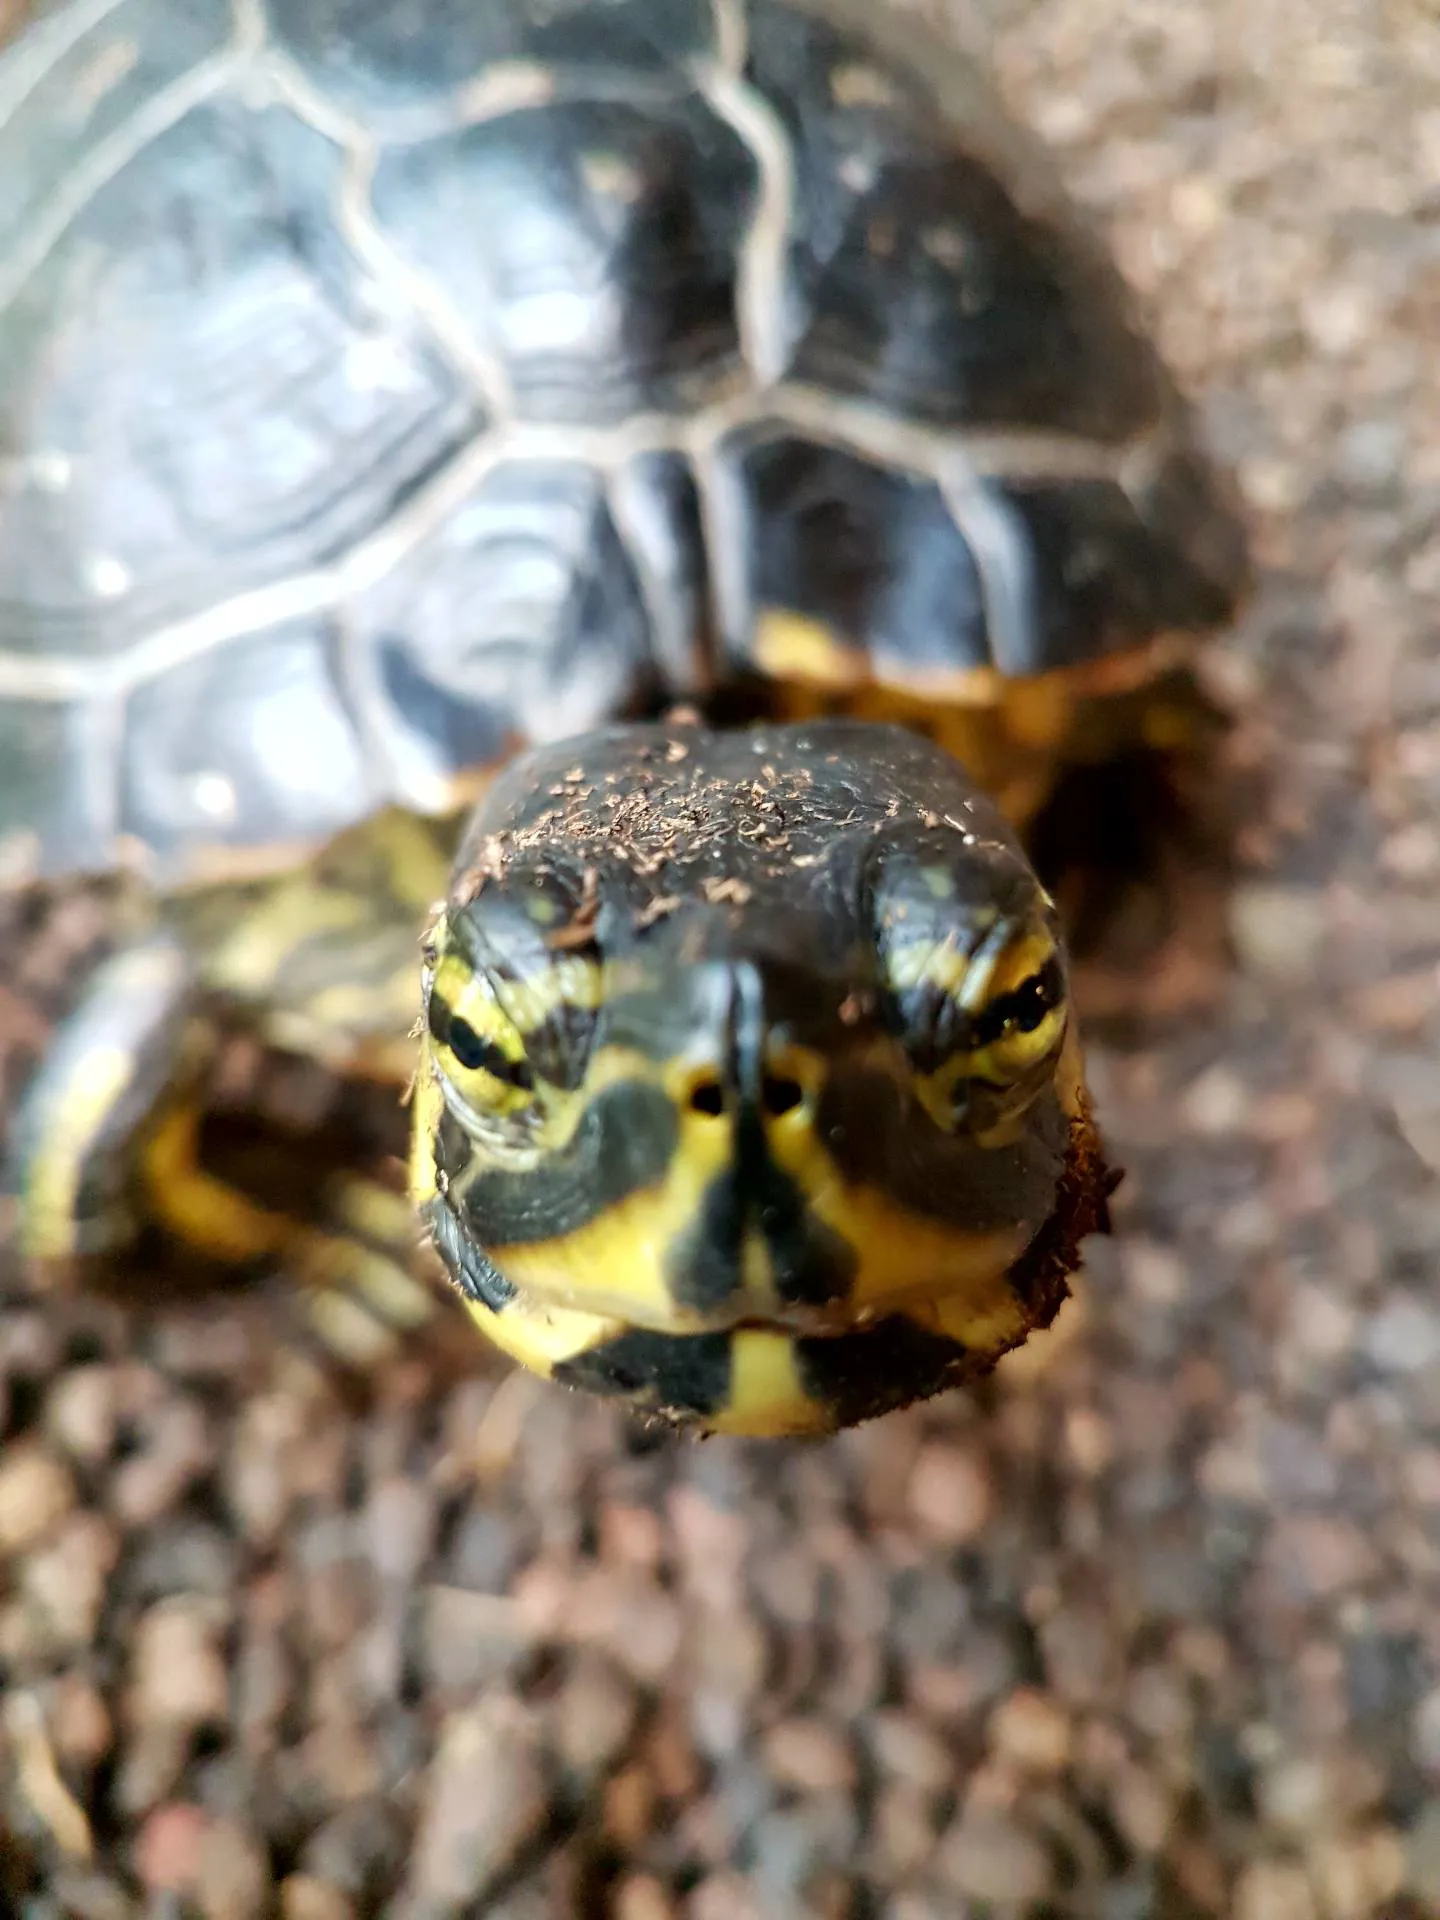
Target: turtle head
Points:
(753, 1029)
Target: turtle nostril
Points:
(707, 1097)
(780, 1094)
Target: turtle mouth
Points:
(793, 1370)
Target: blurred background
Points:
(1153, 1635)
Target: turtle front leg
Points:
(109, 1141)
(132, 1040)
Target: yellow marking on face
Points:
(767, 1398)
(998, 1066)
(50, 1230)
(615, 1264)
(970, 978)
(902, 1255)
(975, 981)
(568, 981)
(982, 1326)
(1000, 973)
(539, 1334)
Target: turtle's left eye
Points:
(982, 1032)
(1009, 1021)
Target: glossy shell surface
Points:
(385, 385)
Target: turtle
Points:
(559, 549)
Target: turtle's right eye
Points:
(476, 1046)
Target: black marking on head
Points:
(624, 1142)
(674, 1373)
(472, 1271)
(894, 1363)
(812, 1264)
(454, 1149)
(877, 1136)
(559, 1048)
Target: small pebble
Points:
(303, 1897)
(1358, 1873)
(1403, 1337)
(1217, 1103)
(594, 1716)
(912, 1752)
(1279, 931)
(399, 1528)
(1422, 1855)
(258, 1467)
(1029, 1729)
(361, 1850)
(486, 1802)
(1144, 1809)
(629, 1807)
(36, 1492)
(469, 1640)
(638, 1625)
(232, 1878)
(81, 1895)
(712, 1545)
(1273, 1890)
(987, 1855)
(1315, 1556)
(640, 1896)
(951, 1496)
(1295, 1795)
(82, 1411)
(632, 1537)
(903, 1831)
(151, 1763)
(1425, 1731)
(724, 1896)
(810, 1756)
(167, 1854)
(179, 1448)
(178, 1671)
(79, 1722)
(68, 1578)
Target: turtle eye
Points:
(973, 972)
(1015, 1026)
(982, 1031)
(475, 1044)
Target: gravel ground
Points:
(1153, 1634)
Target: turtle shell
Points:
(383, 386)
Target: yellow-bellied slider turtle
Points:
(389, 389)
